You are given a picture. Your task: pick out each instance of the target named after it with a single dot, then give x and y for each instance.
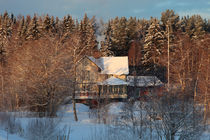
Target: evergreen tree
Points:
(46, 26)
(169, 18)
(154, 41)
(68, 25)
(53, 25)
(91, 38)
(33, 32)
(119, 37)
(21, 33)
(199, 27)
(132, 29)
(83, 29)
(195, 27)
(106, 46)
(5, 33)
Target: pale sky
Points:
(106, 8)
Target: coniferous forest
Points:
(38, 54)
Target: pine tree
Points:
(195, 27)
(33, 32)
(106, 46)
(83, 29)
(119, 37)
(169, 18)
(46, 26)
(199, 27)
(154, 41)
(132, 29)
(53, 28)
(68, 25)
(91, 37)
(20, 28)
(5, 34)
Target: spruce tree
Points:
(46, 26)
(169, 18)
(21, 33)
(83, 29)
(33, 32)
(195, 27)
(119, 37)
(68, 24)
(199, 27)
(154, 41)
(91, 38)
(106, 46)
(132, 29)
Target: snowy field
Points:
(89, 126)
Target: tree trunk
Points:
(206, 92)
(75, 111)
(74, 90)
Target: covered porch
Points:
(112, 88)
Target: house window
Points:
(88, 87)
(124, 89)
(87, 75)
(99, 89)
(83, 87)
(110, 89)
(104, 89)
(115, 89)
(120, 89)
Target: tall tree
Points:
(169, 18)
(33, 32)
(154, 42)
(106, 45)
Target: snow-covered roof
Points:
(96, 61)
(112, 65)
(143, 81)
(113, 81)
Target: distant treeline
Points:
(144, 41)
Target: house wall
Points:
(87, 75)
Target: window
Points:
(87, 75)
(104, 89)
(110, 89)
(124, 89)
(115, 89)
(99, 89)
(120, 89)
(88, 87)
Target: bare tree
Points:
(178, 116)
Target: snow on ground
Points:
(6, 136)
(115, 108)
(87, 125)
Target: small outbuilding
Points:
(139, 86)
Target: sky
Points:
(106, 9)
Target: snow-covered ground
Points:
(6, 136)
(88, 126)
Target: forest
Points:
(38, 54)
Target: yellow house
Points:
(104, 77)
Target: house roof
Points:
(143, 81)
(113, 81)
(112, 65)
